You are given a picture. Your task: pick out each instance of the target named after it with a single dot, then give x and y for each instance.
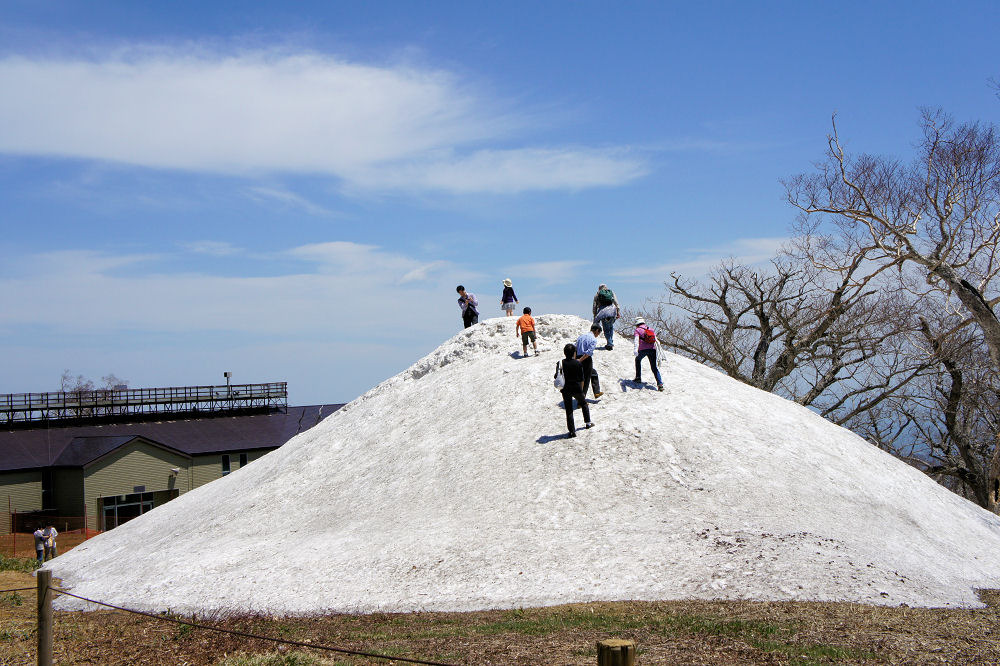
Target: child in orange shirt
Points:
(526, 325)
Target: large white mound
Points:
(451, 487)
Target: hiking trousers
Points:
(590, 376)
(568, 395)
(651, 355)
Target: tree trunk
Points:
(993, 496)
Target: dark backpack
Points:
(647, 335)
(605, 297)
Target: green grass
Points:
(23, 564)
(11, 599)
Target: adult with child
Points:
(508, 298)
(470, 306)
(526, 326)
(50, 535)
(586, 344)
(645, 347)
(573, 389)
(606, 311)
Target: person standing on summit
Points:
(508, 298)
(606, 311)
(470, 306)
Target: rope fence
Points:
(18, 589)
(245, 634)
(613, 652)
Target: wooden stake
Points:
(615, 652)
(44, 618)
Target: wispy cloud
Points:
(504, 171)
(212, 248)
(328, 282)
(289, 199)
(698, 261)
(374, 127)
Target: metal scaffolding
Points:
(104, 404)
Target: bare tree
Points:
(69, 383)
(944, 422)
(824, 335)
(939, 216)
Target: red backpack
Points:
(647, 335)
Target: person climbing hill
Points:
(585, 346)
(606, 311)
(526, 326)
(645, 347)
(573, 373)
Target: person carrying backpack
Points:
(606, 311)
(645, 347)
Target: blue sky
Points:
(292, 191)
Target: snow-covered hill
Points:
(451, 487)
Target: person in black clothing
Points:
(573, 372)
(470, 306)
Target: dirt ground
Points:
(665, 633)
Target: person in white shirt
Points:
(50, 534)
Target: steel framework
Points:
(112, 403)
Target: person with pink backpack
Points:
(645, 347)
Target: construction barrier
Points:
(20, 542)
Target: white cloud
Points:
(372, 127)
(503, 171)
(212, 248)
(701, 260)
(340, 284)
(289, 199)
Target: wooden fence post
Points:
(615, 652)
(44, 617)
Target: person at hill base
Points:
(50, 534)
(39, 545)
(526, 327)
(470, 306)
(508, 298)
(606, 311)
(573, 389)
(645, 347)
(585, 346)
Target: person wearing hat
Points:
(509, 298)
(606, 311)
(645, 347)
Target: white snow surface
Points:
(451, 487)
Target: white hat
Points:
(639, 320)
(506, 282)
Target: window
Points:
(116, 510)
(243, 460)
(225, 465)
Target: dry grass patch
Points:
(691, 632)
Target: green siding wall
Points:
(136, 464)
(67, 491)
(208, 468)
(24, 492)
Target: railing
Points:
(98, 403)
